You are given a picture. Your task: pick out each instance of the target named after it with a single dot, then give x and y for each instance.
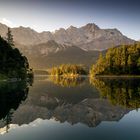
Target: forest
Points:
(121, 60)
(12, 63)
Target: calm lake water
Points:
(70, 109)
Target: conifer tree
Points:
(129, 63)
(9, 37)
(124, 59)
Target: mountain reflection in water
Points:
(68, 100)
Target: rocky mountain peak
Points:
(2, 25)
(24, 29)
(60, 30)
(88, 37)
(91, 27)
(72, 28)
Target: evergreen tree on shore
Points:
(124, 59)
(9, 37)
(12, 63)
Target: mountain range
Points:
(72, 45)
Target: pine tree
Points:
(124, 59)
(100, 64)
(109, 59)
(10, 38)
(138, 63)
(118, 60)
(129, 63)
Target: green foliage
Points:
(12, 63)
(124, 59)
(68, 70)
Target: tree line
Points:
(124, 59)
(68, 70)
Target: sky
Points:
(50, 15)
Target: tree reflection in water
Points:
(124, 92)
(67, 81)
(11, 96)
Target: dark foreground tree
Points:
(12, 63)
(9, 38)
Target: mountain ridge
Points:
(87, 37)
(47, 55)
(72, 45)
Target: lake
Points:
(57, 108)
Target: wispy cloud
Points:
(7, 22)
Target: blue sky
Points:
(49, 15)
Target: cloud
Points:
(7, 22)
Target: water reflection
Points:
(67, 81)
(11, 96)
(69, 100)
(124, 92)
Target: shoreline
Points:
(117, 76)
(88, 75)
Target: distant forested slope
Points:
(124, 59)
